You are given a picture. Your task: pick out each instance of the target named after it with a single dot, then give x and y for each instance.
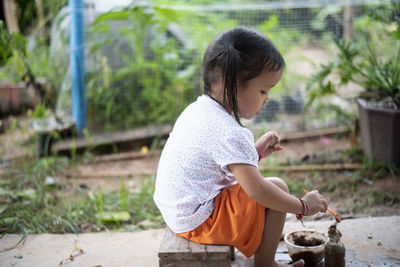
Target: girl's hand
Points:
(263, 146)
(315, 203)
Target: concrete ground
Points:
(369, 242)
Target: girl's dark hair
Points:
(238, 55)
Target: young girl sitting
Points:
(208, 188)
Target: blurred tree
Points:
(31, 16)
(10, 15)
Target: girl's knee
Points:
(279, 182)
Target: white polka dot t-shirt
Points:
(193, 167)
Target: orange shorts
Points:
(237, 220)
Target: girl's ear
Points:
(240, 84)
(217, 88)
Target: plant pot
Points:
(44, 144)
(380, 132)
(49, 130)
(14, 99)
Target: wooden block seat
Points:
(179, 252)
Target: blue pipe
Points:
(77, 63)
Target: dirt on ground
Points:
(130, 171)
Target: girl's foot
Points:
(299, 263)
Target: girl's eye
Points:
(264, 92)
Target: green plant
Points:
(5, 46)
(159, 76)
(363, 62)
(32, 63)
(152, 85)
(123, 196)
(28, 205)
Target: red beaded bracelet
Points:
(300, 216)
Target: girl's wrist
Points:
(305, 202)
(304, 211)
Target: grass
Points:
(31, 202)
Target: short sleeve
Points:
(235, 146)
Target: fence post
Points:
(348, 21)
(77, 63)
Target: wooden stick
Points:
(139, 135)
(126, 156)
(323, 167)
(109, 174)
(313, 133)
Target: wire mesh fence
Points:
(144, 61)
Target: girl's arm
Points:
(271, 196)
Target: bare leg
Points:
(274, 222)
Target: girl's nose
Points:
(265, 102)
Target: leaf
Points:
(271, 23)
(113, 216)
(5, 46)
(3, 192)
(167, 14)
(97, 46)
(101, 28)
(112, 15)
(27, 193)
(22, 240)
(19, 42)
(147, 224)
(3, 207)
(91, 195)
(9, 220)
(19, 63)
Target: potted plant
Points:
(377, 71)
(23, 63)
